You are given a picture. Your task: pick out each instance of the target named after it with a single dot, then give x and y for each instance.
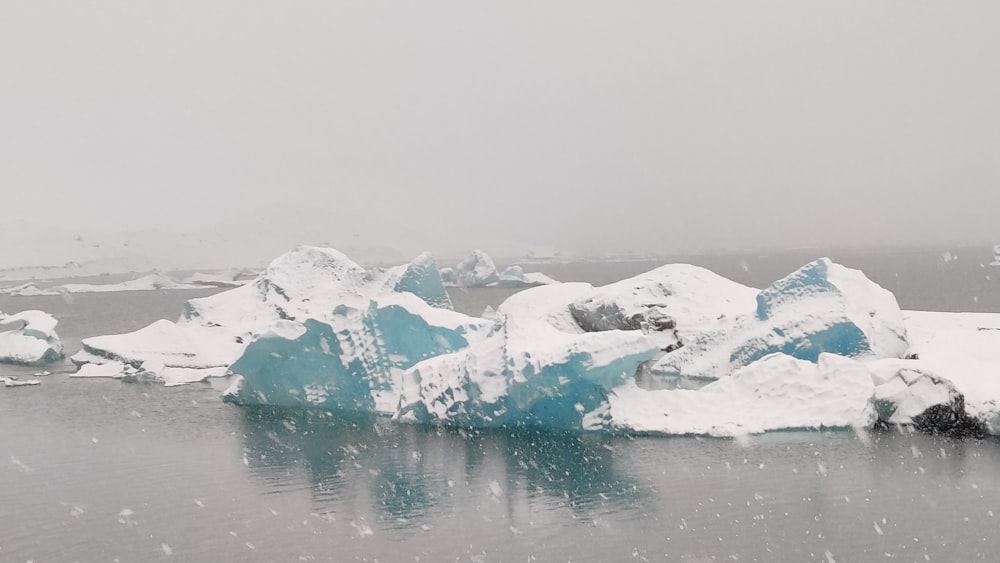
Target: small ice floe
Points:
(125, 517)
(29, 338)
(13, 381)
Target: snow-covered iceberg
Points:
(778, 392)
(538, 368)
(677, 350)
(529, 365)
(821, 307)
(34, 342)
(566, 356)
(478, 270)
(151, 282)
(305, 283)
(28, 289)
(675, 304)
(354, 359)
(515, 276)
(164, 351)
(228, 278)
(420, 277)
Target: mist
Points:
(587, 126)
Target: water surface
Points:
(99, 470)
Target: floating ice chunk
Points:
(538, 278)
(822, 307)
(37, 324)
(165, 343)
(149, 282)
(775, 393)
(110, 369)
(422, 278)
(35, 342)
(476, 270)
(146, 283)
(12, 381)
(537, 368)
(352, 362)
(512, 276)
(26, 290)
(515, 276)
(228, 278)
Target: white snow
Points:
(476, 270)
(166, 343)
(906, 391)
(698, 303)
(775, 393)
(31, 340)
(150, 282)
(307, 282)
(964, 349)
(36, 323)
(500, 379)
(11, 381)
(227, 278)
(822, 307)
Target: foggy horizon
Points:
(629, 128)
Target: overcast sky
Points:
(632, 125)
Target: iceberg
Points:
(422, 278)
(351, 362)
(150, 282)
(677, 350)
(305, 283)
(12, 381)
(476, 270)
(35, 342)
(777, 392)
(163, 351)
(515, 276)
(228, 278)
(479, 270)
(24, 290)
(536, 368)
(821, 307)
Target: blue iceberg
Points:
(423, 279)
(531, 365)
(353, 360)
(822, 307)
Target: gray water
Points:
(98, 470)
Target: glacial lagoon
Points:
(99, 470)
